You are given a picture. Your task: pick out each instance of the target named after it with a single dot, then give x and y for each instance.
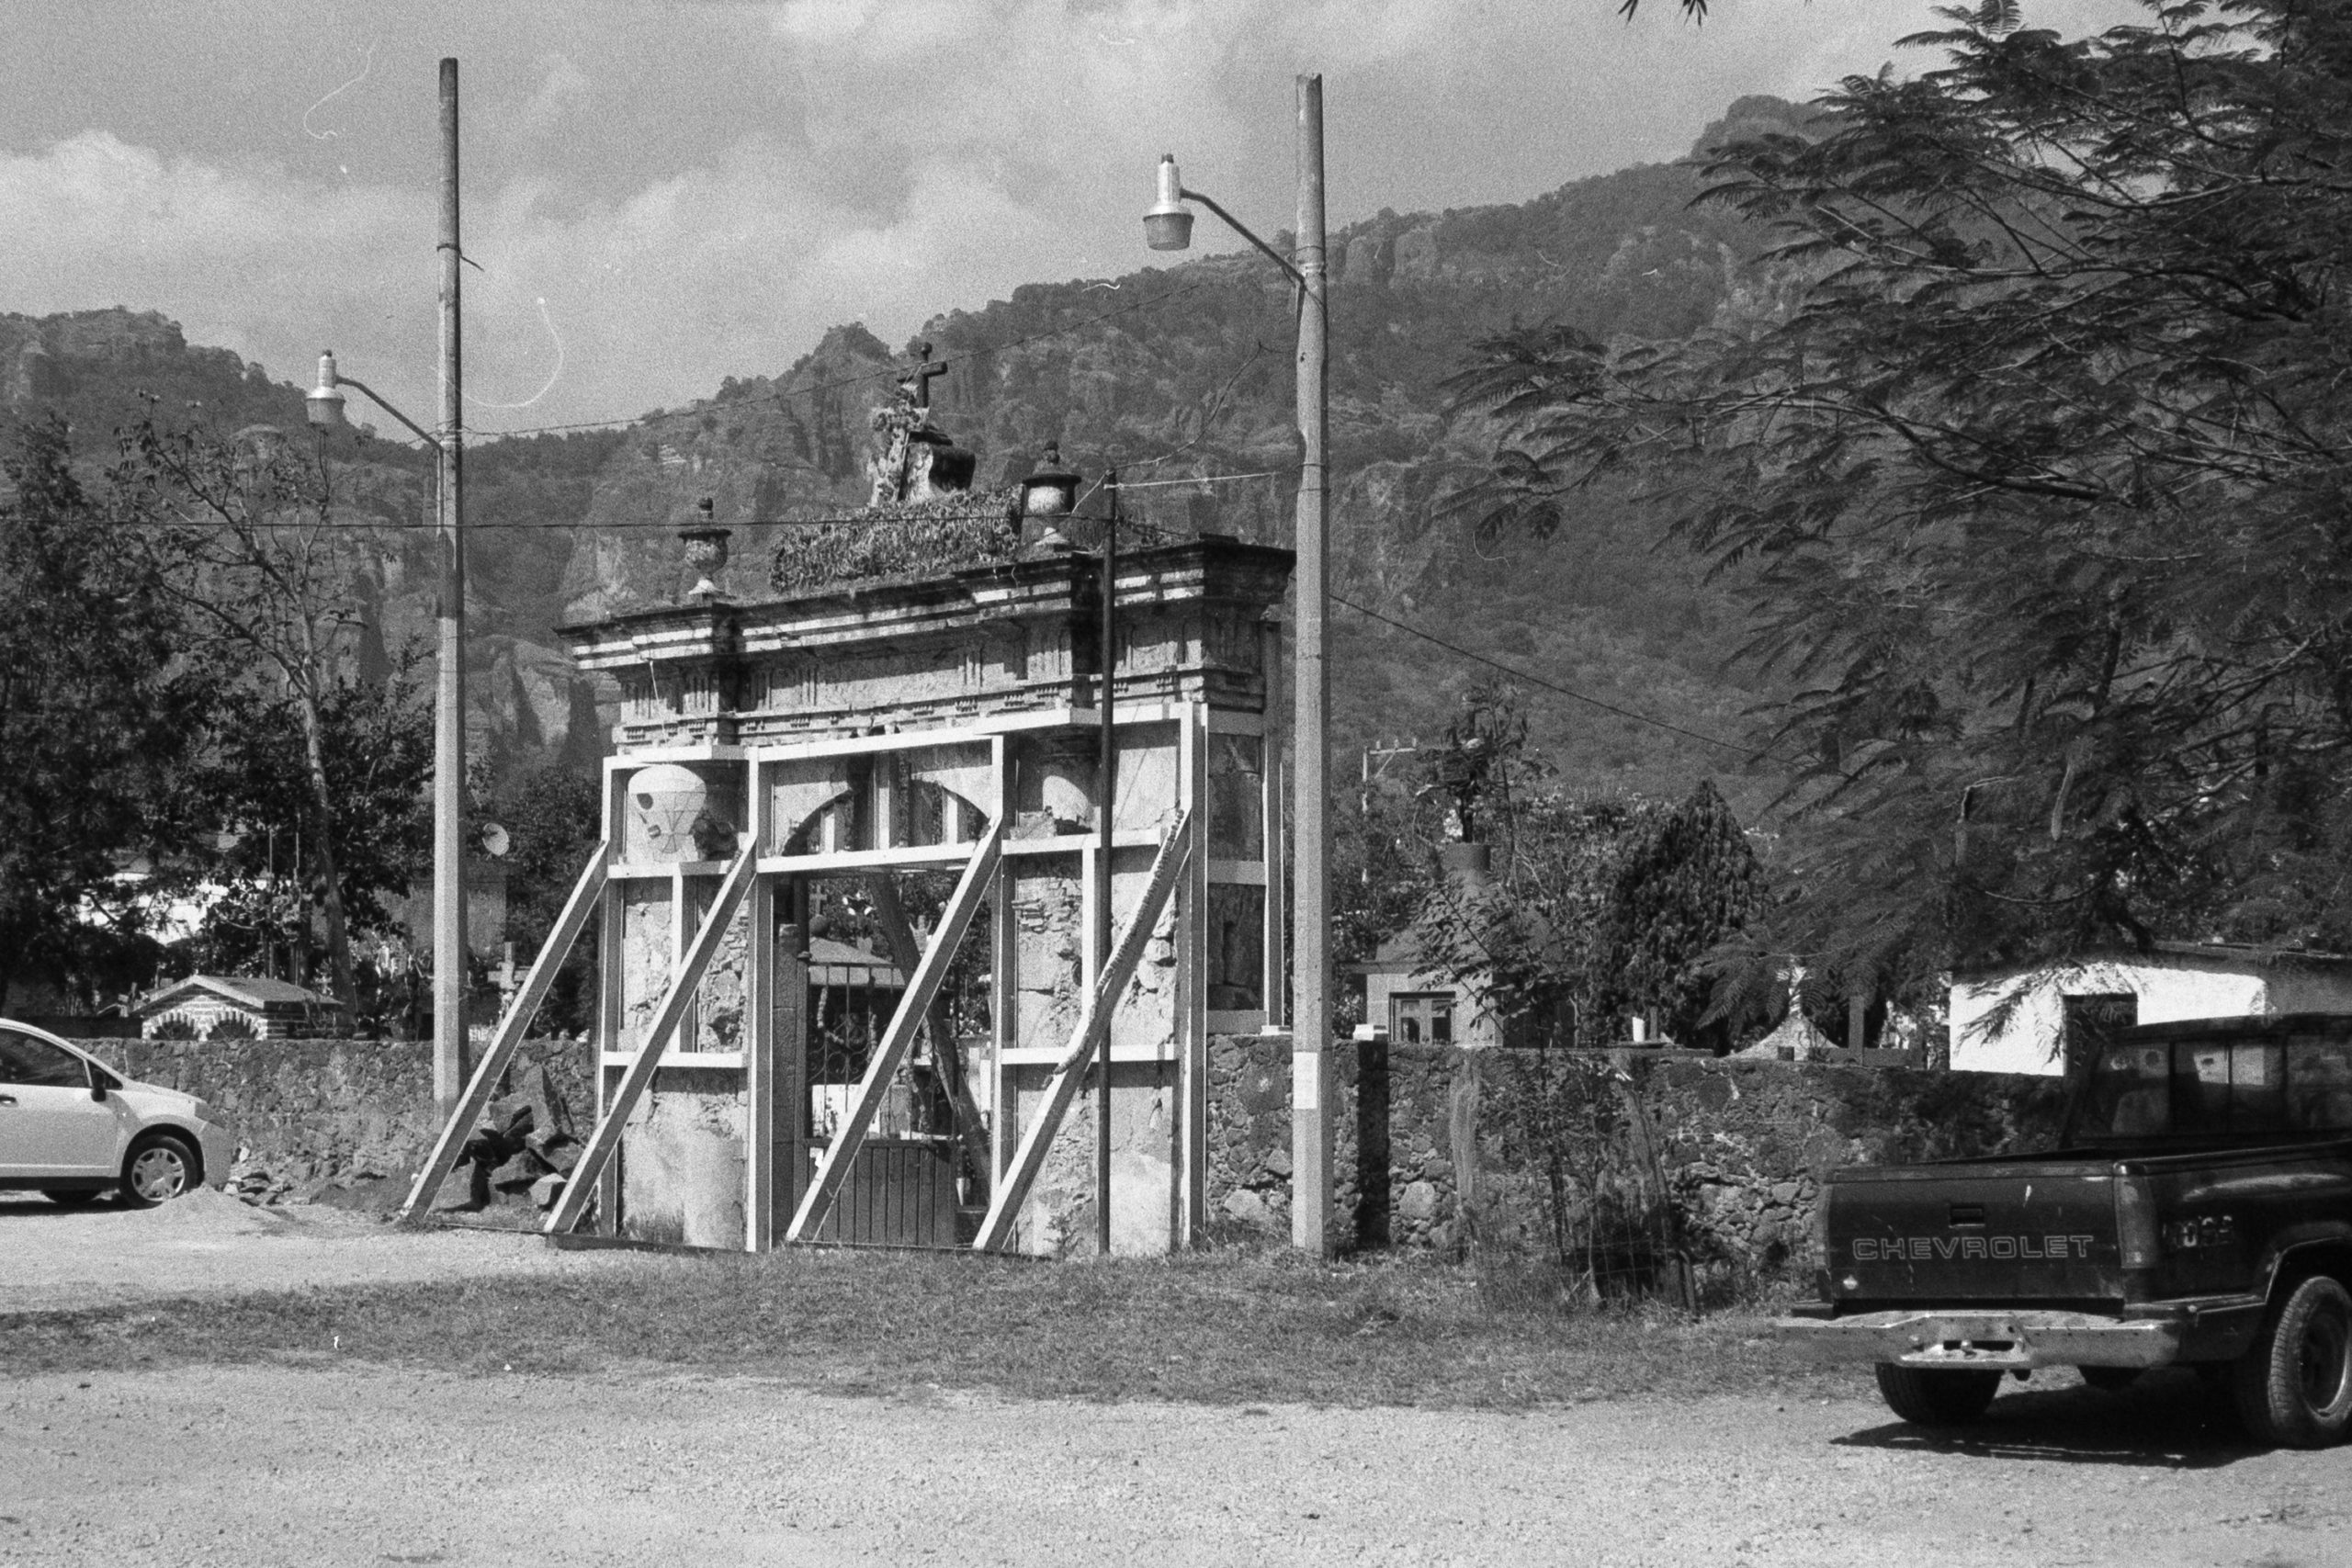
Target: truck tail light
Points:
(2136, 1221)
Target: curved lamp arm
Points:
(1231, 222)
(415, 429)
(323, 403)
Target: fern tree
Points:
(2035, 433)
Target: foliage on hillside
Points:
(2037, 457)
(1169, 374)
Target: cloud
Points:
(736, 268)
(879, 160)
(562, 88)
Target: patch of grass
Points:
(1222, 1328)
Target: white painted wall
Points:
(2026, 1038)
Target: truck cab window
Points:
(2131, 1093)
(2318, 1089)
(2223, 1086)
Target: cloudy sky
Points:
(661, 195)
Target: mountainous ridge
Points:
(1165, 374)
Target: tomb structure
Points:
(923, 746)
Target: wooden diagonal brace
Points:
(639, 1075)
(896, 1040)
(1012, 1191)
(511, 1030)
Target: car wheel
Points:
(2294, 1385)
(1936, 1396)
(77, 1196)
(160, 1169)
(2110, 1380)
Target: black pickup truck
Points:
(2197, 1212)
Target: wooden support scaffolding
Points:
(585, 895)
(1069, 1073)
(639, 1075)
(923, 985)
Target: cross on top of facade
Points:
(918, 380)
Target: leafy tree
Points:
(268, 583)
(1679, 891)
(552, 815)
(100, 703)
(1598, 905)
(2033, 432)
(252, 786)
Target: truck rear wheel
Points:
(1936, 1396)
(2294, 1384)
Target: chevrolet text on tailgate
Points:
(2198, 1211)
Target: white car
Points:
(73, 1128)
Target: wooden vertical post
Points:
(681, 923)
(1191, 991)
(791, 1028)
(759, 1036)
(612, 995)
(1004, 995)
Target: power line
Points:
(1750, 752)
(848, 520)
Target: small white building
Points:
(1406, 1004)
(2019, 1020)
(210, 1007)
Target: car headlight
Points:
(202, 1112)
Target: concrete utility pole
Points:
(450, 1053)
(1168, 226)
(1311, 1074)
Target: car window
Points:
(2319, 1084)
(38, 1063)
(2226, 1086)
(2131, 1093)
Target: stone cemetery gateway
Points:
(934, 721)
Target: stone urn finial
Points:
(706, 551)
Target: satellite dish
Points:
(494, 841)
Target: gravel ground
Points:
(322, 1461)
(210, 1244)
(343, 1464)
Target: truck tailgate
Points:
(1990, 1231)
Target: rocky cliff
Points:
(1176, 374)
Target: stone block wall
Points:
(1437, 1146)
(315, 1118)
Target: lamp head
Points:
(324, 401)
(1051, 490)
(1168, 226)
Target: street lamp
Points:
(324, 402)
(1168, 226)
(324, 407)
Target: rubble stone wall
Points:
(1739, 1147)
(318, 1117)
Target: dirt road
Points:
(339, 1464)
